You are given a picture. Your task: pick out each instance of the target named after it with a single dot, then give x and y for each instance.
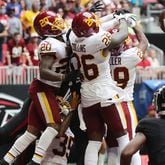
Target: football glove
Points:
(131, 19)
(64, 105)
(119, 16)
(97, 6)
(122, 11)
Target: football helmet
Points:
(159, 100)
(85, 24)
(48, 23)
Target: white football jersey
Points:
(123, 69)
(59, 150)
(97, 85)
(53, 47)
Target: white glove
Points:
(64, 110)
(64, 105)
(120, 16)
(131, 19)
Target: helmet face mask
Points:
(85, 24)
(48, 23)
(159, 100)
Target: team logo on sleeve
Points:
(140, 53)
(106, 39)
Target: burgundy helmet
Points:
(48, 23)
(85, 24)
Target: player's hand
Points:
(131, 19)
(119, 16)
(121, 11)
(97, 6)
(64, 105)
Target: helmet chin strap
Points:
(56, 26)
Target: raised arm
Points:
(143, 41)
(46, 73)
(121, 35)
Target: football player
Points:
(123, 61)
(149, 132)
(44, 112)
(99, 93)
(12, 128)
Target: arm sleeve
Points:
(145, 127)
(98, 42)
(134, 56)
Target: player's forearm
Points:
(143, 41)
(50, 75)
(110, 24)
(121, 35)
(65, 124)
(123, 30)
(107, 18)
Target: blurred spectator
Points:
(162, 2)
(32, 48)
(78, 8)
(152, 57)
(136, 2)
(24, 9)
(17, 53)
(126, 5)
(50, 3)
(46, 4)
(84, 3)
(15, 25)
(3, 27)
(23, 6)
(29, 3)
(145, 63)
(70, 9)
(61, 4)
(27, 19)
(13, 4)
(43, 5)
(16, 58)
(61, 12)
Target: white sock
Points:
(44, 142)
(91, 153)
(101, 159)
(122, 142)
(113, 158)
(19, 146)
(136, 159)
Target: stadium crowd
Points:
(16, 24)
